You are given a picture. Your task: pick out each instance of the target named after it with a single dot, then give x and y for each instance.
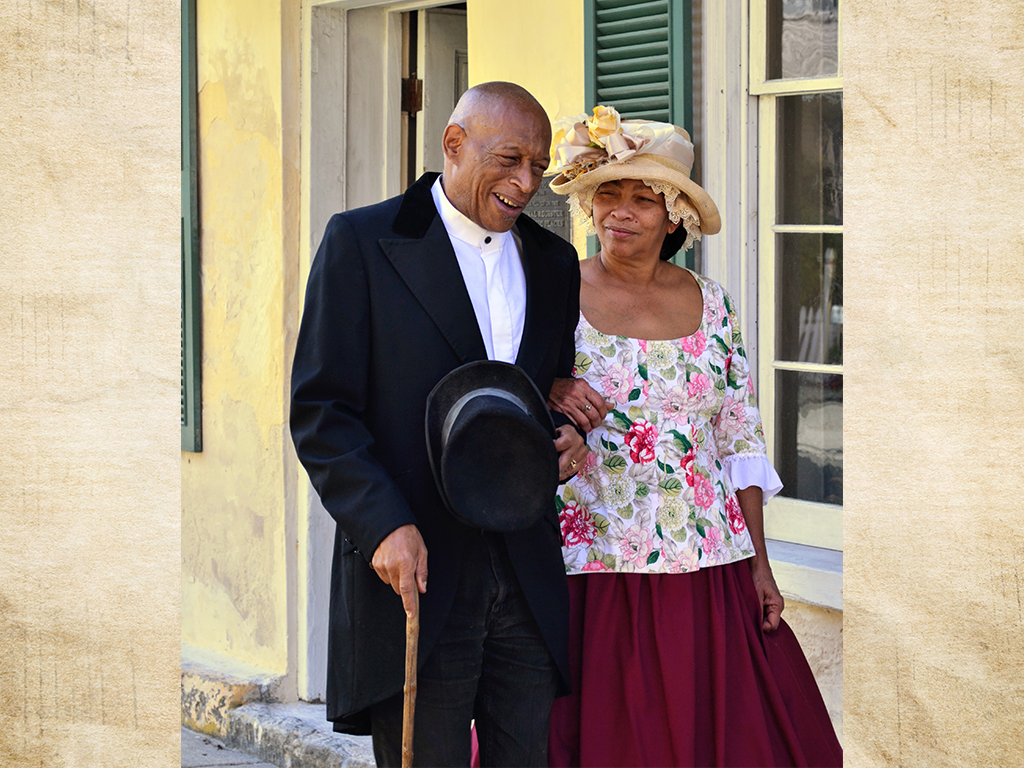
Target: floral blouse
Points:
(657, 492)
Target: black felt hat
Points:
(490, 441)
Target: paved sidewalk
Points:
(201, 751)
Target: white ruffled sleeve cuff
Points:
(745, 471)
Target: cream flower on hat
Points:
(605, 122)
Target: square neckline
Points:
(700, 326)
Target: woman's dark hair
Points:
(673, 242)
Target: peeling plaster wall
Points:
(89, 382)
(237, 568)
(934, 384)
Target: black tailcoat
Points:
(387, 315)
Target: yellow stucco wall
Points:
(89, 318)
(236, 493)
(540, 47)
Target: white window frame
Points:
(729, 117)
(786, 519)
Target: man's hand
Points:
(572, 452)
(579, 401)
(768, 594)
(401, 561)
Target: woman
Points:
(679, 655)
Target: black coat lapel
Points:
(427, 264)
(544, 308)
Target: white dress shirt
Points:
(493, 272)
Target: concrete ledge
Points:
(212, 685)
(295, 736)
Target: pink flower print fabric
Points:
(703, 490)
(654, 495)
(694, 345)
(617, 383)
(641, 439)
(736, 522)
(637, 546)
(732, 416)
(577, 525)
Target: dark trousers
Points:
(491, 664)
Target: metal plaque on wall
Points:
(550, 210)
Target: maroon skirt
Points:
(674, 670)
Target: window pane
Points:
(809, 301)
(803, 38)
(810, 159)
(809, 435)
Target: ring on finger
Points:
(587, 407)
(572, 463)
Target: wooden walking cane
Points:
(412, 642)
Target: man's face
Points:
(495, 165)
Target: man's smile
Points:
(515, 206)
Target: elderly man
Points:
(400, 294)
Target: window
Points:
(191, 405)
(796, 75)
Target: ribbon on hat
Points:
(586, 142)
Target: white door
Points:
(445, 66)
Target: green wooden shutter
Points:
(639, 59)
(191, 303)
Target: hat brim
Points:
(652, 168)
(479, 375)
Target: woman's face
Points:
(631, 219)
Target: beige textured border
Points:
(934, 275)
(89, 319)
(89, 611)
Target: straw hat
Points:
(587, 151)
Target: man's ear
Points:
(451, 142)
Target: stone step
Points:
(295, 736)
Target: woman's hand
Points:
(751, 501)
(579, 401)
(572, 452)
(767, 593)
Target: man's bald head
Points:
(486, 98)
(496, 149)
